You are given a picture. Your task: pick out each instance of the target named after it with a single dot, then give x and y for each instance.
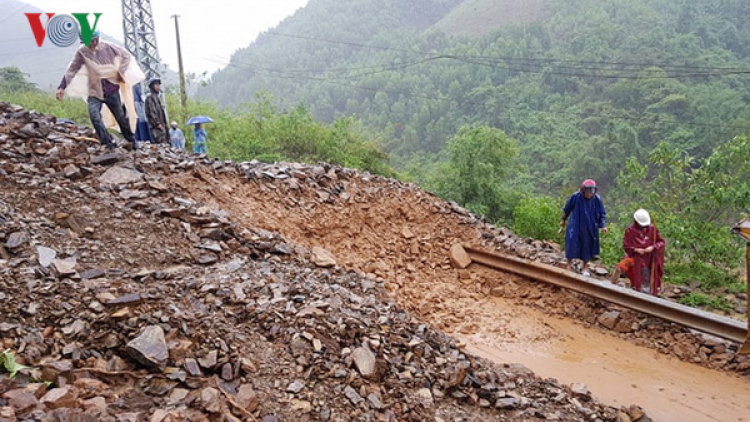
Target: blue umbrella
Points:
(199, 119)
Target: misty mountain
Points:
(583, 85)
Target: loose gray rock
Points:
(150, 348)
(120, 176)
(364, 359)
(46, 256)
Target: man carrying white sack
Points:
(104, 66)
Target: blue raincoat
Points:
(586, 217)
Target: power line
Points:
(23, 53)
(505, 58)
(375, 69)
(602, 76)
(580, 115)
(517, 69)
(23, 6)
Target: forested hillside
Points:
(592, 84)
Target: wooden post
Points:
(745, 349)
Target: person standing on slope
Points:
(201, 137)
(157, 119)
(103, 85)
(587, 216)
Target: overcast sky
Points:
(210, 30)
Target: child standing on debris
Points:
(176, 137)
(587, 216)
(201, 137)
(644, 255)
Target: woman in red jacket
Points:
(644, 255)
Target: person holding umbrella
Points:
(200, 135)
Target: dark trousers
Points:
(115, 106)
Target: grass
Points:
(73, 109)
(709, 276)
(737, 287)
(699, 300)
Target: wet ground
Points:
(618, 372)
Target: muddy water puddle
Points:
(617, 372)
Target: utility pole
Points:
(183, 93)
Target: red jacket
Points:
(643, 237)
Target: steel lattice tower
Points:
(140, 36)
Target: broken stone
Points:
(248, 398)
(609, 319)
(425, 396)
(364, 359)
(211, 400)
(59, 397)
(207, 259)
(322, 258)
(72, 171)
(21, 400)
(192, 367)
(352, 395)
(120, 176)
(17, 239)
(98, 403)
(579, 389)
(128, 299)
(92, 274)
(302, 405)
(209, 361)
(507, 403)
(7, 414)
(150, 348)
(226, 372)
(295, 386)
(374, 401)
(45, 256)
(177, 396)
(65, 267)
(105, 159)
(458, 256)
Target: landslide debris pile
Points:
(131, 301)
(399, 235)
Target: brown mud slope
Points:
(401, 235)
(132, 300)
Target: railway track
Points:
(706, 322)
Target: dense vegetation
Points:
(657, 70)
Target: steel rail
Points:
(715, 325)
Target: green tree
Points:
(480, 160)
(537, 217)
(12, 80)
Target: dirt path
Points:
(397, 234)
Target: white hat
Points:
(641, 217)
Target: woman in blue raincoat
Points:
(587, 216)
